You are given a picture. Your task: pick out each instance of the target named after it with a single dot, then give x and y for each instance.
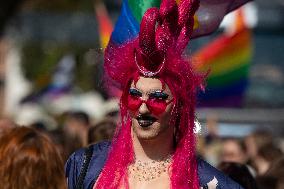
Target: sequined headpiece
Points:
(161, 29)
(164, 32)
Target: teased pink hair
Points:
(164, 33)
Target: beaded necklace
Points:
(150, 170)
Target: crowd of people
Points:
(251, 161)
(33, 156)
(153, 139)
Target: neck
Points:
(154, 149)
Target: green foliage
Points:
(40, 60)
(60, 5)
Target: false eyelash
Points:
(135, 92)
(159, 94)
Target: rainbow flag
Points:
(207, 19)
(228, 58)
(105, 25)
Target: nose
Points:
(143, 109)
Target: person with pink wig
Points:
(154, 145)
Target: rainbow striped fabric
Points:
(105, 24)
(207, 19)
(228, 60)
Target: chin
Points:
(147, 133)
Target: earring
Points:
(197, 126)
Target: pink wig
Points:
(157, 52)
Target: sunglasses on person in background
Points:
(156, 102)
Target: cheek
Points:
(125, 107)
(166, 116)
(133, 114)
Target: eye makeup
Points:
(153, 94)
(159, 94)
(135, 92)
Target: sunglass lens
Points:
(156, 106)
(133, 102)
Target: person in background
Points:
(103, 130)
(212, 141)
(75, 128)
(256, 140)
(239, 173)
(39, 125)
(6, 124)
(265, 157)
(266, 182)
(275, 172)
(233, 150)
(29, 160)
(61, 142)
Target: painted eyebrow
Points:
(134, 91)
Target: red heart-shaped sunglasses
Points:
(156, 102)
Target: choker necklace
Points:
(146, 171)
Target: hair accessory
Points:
(150, 65)
(169, 27)
(197, 126)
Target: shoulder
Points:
(77, 157)
(75, 161)
(210, 177)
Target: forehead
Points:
(146, 84)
